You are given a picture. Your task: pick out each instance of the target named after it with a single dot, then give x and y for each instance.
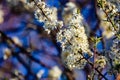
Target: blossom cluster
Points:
(1, 15)
(73, 60)
(110, 17)
(46, 14)
(115, 52)
(73, 39)
(72, 35)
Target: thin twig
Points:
(19, 58)
(3, 69)
(93, 67)
(41, 10)
(22, 49)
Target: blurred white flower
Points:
(17, 41)
(73, 61)
(40, 73)
(7, 53)
(48, 15)
(73, 39)
(68, 12)
(55, 72)
(1, 16)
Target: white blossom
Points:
(115, 52)
(74, 61)
(110, 17)
(17, 41)
(55, 72)
(73, 39)
(1, 15)
(74, 35)
(48, 15)
(7, 53)
(40, 73)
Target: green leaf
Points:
(96, 40)
(78, 11)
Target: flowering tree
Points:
(43, 41)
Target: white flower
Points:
(55, 72)
(73, 39)
(41, 4)
(116, 3)
(7, 53)
(1, 16)
(40, 73)
(115, 52)
(73, 61)
(111, 7)
(71, 13)
(48, 15)
(17, 41)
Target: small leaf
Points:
(78, 11)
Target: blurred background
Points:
(28, 52)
